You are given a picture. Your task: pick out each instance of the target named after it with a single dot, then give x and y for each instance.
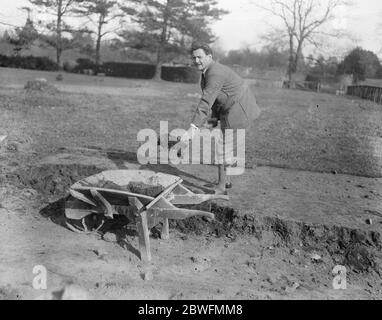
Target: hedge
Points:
(147, 71)
(180, 74)
(83, 64)
(112, 69)
(128, 70)
(28, 62)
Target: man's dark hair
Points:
(205, 47)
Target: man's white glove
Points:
(190, 134)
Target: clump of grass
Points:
(40, 85)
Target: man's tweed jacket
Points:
(226, 97)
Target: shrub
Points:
(40, 85)
(84, 64)
(28, 62)
(44, 63)
(68, 67)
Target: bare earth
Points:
(293, 216)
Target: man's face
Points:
(201, 59)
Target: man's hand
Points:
(208, 126)
(211, 123)
(189, 135)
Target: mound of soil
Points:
(134, 187)
(349, 247)
(51, 180)
(360, 259)
(40, 85)
(223, 225)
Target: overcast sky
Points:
(246, 23)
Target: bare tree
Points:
(100, 14)
(303, 22)
(166, 25)
(59, 9)
(24, 37)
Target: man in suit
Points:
(226, 97)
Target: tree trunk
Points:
(291, 60)
(158, 67)
(97, 56)
(298, 55)
(162, 43)
(59, 35)
(98, 47)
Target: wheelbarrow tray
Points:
(82, 199)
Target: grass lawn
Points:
(301, 130)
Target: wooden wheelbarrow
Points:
(146, 211)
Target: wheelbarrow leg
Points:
(144, 240)
(165, 235)
(143, 229)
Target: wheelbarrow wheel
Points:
(88, 225)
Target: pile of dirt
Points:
(360, 259)
(358, 250)
(222, 226)
(40, 85)
(51, 180)
(134, 187)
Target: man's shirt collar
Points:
(205, 70)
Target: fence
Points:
(265, 83)
(303, 85)
(300, 85)
(366, 92)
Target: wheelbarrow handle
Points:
(196, 198)
(114, 191)
(164, 193)
(179, 214)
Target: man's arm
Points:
(214, 83)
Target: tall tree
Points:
(167, 27)
(56, 28)
(100, 14)
(22, 38)
(321, 68)
(361, 64)
(83, 42)
(302, 21)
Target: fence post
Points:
(371, 93)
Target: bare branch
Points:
(67, 5)
(303, 20)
